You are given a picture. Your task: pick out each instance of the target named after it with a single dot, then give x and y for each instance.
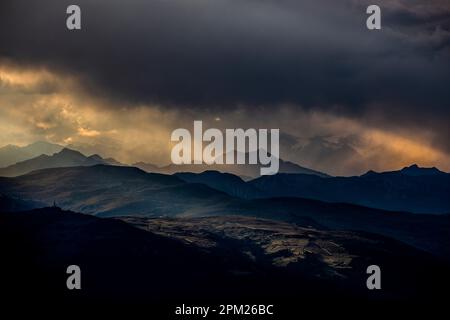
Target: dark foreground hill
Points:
(217, 259)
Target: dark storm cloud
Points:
(209, 54)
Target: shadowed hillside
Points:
(206, 258)
(413, 189)
(112, 190)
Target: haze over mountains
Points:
(12, 154)
(412, 189)
(64, 158)
(245, 171)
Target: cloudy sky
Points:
(345, 99)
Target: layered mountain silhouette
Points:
(226, 182)
(413, 189)
(12, 154)
(160, 237)
(112, 190)
(109, 191)
(15, 160)
(64, 158)
(377, 203)
(147, 167)
(245, 171)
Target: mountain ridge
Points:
(412, 189)
(245, 171)
(64, 158)
(11, 154)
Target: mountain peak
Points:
(95, 157)
(415, 170)
(12, 154)
(67, 151)
(369, 173)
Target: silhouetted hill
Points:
(226, 182)
(148, 167)
(12, 154)
(64, 158)
(245, 171)
(415, 189)
(415, 170)
(412, 189)
(111, 190)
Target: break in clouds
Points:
(342, 95)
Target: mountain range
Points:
(12, 154)
(15, 160)
(413, 189)
(202, 235)
(245, 171)
(64, 158)
(109, 191)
